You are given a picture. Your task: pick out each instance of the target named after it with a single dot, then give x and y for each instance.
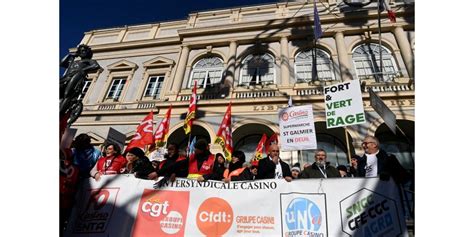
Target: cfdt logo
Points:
(161, 213)
(96, 211)
(214, 217)
(303, 215)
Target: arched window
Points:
(207, 72)
(258, 69)
(304, 66)
(366, 59)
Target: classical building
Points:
(256, 57)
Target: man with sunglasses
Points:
(377, 163)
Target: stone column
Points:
(180, 70)
(230, 74)
(285, 62)
(344, 64)
(405, 50)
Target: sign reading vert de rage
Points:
(343, 104)
(297, 128)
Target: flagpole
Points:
(348, 147)
(380, 38)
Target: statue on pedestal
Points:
(73, 80)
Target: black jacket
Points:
(173, 165)
(142, 167)
(314, 172)
(387, 166)
(266, 169)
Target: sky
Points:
(86, 15)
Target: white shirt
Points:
(278, 171)
(371, 166)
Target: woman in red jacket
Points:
(112, 163)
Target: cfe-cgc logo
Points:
(161, 213)
(214, 217)
(367, 213)
(303, 214)
(96, 213)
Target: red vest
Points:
(206, 167)
(111, 165)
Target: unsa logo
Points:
(214, 217)
(303, 214)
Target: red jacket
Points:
(206, 167)
(111, 165)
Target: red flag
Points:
(272, 140)
(161, 133)
(390, 12)
(144, 134)
(260, 146)
(188, 122)
(224, 134)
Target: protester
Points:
(112, 163)
(68, 186)
(218, 170)
(174, 165)
(138, 164)
(84, 154)
(295, 171)
(377, 163)
(236, 170)
(272, 167)
(320, 168)
(201, 162)
(353, 168)
(343, 171)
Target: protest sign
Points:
(297, 128)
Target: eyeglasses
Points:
(365, 143)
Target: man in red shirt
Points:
(112, 163)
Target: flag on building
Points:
(318, 32)
(188, 122)
(161, 134)
(260, 146)
(390, 12)
(272, 140)
(224, 134)
(144, 134)
(190, 149)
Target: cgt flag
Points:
(161, 133)
(272, 140)
(224, 135)
(188, 122)
(144, 134)
(260, 146)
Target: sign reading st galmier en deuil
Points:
(344, 104)
(297, 128)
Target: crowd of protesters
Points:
(83, 161)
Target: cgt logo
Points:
(161, 213)
(96, 213)
(155, 209)
(214, 217)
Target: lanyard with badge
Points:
(322, 172)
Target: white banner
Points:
(344, 104)
(297, 128)
(121, 205)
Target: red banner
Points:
(162, 130)
(144, 134)
(224, 134)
